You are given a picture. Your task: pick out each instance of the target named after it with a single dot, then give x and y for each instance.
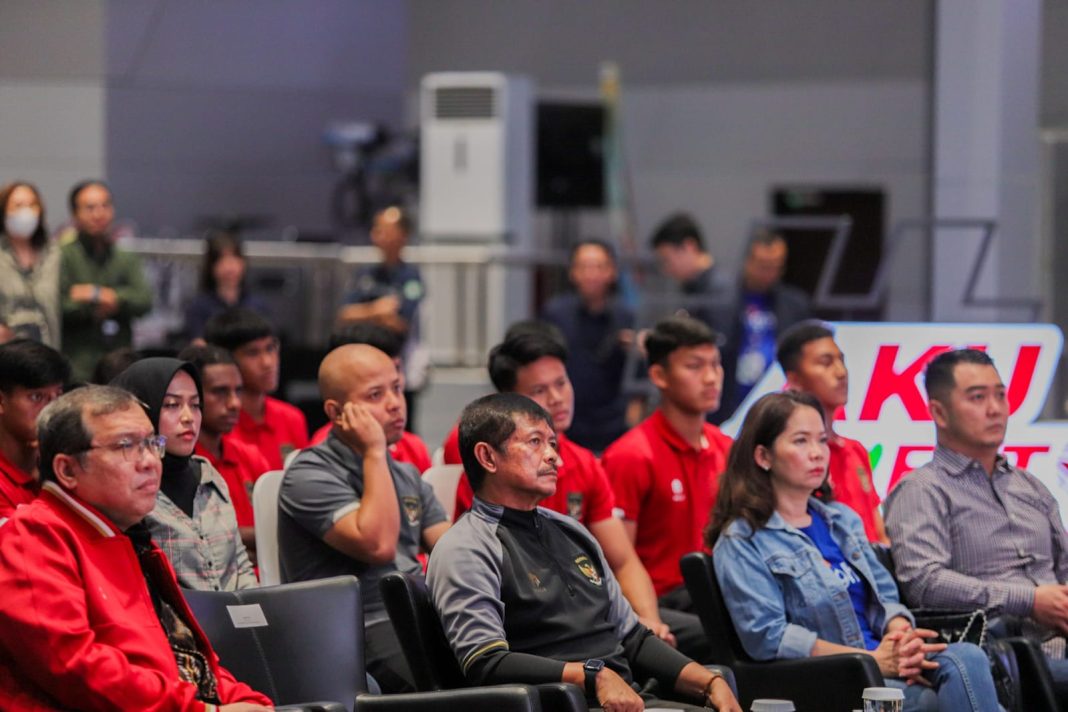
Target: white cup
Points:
(772, 706)
(883, 699)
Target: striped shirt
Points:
(962, 539)
(205, 549)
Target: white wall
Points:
(52, 96)
(722, 101)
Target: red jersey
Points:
(667, 488)
(240, 466)
(410, 448)
(16, 488)
(582, 489)
(283, 430)
(850, 475)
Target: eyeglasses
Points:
(135, 449)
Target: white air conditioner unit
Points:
(476, 158)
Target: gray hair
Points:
(61, 427)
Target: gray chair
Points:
(301, 644)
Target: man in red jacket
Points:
(93, 618)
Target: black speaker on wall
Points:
(808, 249)
(570, 155)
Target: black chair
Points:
(824, 684)
(303, 642)
(1036, 691)
(428, 652)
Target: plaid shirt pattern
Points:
(205, 549)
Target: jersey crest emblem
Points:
(413, 510)
(574, 505)
(586, 568)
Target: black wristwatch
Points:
(591, 667)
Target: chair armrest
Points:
(562, 696)
(808, 681)
(497, 698)
(313, 707)
(1036, 681)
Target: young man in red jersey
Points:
(531, 362)
(32, 375)
(813, 363)
(239, 463)
(274, 427)
(665, 472)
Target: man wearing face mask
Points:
(29, 267)
(103, 288)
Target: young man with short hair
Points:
(239, 463)
(665, 472)
(813, 363)
(274, 427)
(32, 375)
(525, 594)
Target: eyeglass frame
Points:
(156, 444)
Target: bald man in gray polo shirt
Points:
(347, 507)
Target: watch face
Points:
(594, 665)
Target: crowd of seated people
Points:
(563, 563)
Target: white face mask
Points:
(22, 223)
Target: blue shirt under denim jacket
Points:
(782, 595)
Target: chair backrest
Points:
(265, 511)
(298, 642)
(444, 479)
(700, 577)
(421, 636)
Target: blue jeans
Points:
(962, 683)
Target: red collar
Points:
(15, 473)
(671, 436)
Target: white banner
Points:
(887, 408)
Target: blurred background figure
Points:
(760, 309)
(597, 327)
(103, 288)
(223, 284)
(113, 363)
(29, 267)
(389, 294)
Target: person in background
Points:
(93, 618)
(682, 255)
(814, 364)
(32, 375)
(102, 287)
(113, 363)
(598, 327)
(799, 577)
(29, 267)
(223, 284)
(6, 333)
(389, 294)
(347, 508)
(761, 307)
(193, 521)
(410, 448)
(268, 424)
(665, 471)
(239, 464)
(526, 595)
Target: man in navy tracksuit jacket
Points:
(525, 594)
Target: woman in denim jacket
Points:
(799, 577)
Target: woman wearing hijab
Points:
(194, 521)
